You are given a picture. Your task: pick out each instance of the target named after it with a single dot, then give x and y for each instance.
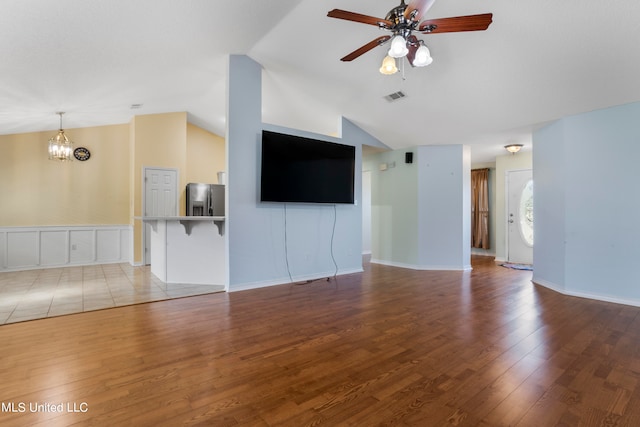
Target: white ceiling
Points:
(538, 61)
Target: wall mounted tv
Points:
(304, 170)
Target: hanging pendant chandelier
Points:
(60, 147)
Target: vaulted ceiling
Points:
(540, 60)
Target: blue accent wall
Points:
(587, 199)
(261, 252)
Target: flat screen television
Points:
(304, 170)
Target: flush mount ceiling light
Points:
(402, 21)
(513, 148)
(60, 146)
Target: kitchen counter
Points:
(188, 249)
(186, 221)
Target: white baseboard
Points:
(606, 298)
(549, 285)
(286, 280)
(422, 267)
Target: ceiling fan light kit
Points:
(398, 47)
(423, 57)
(388, 66)
(402, 21)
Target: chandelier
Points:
(60, 147)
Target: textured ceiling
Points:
(538, 61)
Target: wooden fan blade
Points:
(420, 6)
(456, 24)
(366, 48)
(357, 17)
(413, 47)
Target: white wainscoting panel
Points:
(22, 249)
(82, 246)
(54, 248)
(109, 249)
(25, 248)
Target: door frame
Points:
(506, 208)
(145, 256)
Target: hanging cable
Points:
(333, 232)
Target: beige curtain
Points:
(480, 208)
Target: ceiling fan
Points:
(402, 21)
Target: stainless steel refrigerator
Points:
(205, 199)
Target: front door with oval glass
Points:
(520, 216)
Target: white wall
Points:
(366, 211)
(586, 199)
(504, 164)
(257, 251)
(549, 177)
(421, 211)
(444, 179)
(394, 209)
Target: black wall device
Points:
(408, 157)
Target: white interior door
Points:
(520, 216)
(160, 199)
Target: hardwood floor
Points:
(386, 347)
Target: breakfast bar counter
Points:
(188, 249)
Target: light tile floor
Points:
(36, 294)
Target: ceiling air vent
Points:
(395, 96)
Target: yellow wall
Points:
(159, 140)
(36, 191)
(205, 155)
(106, 189)
(168, 141)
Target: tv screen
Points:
(304, 170)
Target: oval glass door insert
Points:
(526, 213)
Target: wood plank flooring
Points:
(386, 347)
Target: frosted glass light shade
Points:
(388, 66)
(513, 148)
(423, 57)
(398, 47)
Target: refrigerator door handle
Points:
(210, 201)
